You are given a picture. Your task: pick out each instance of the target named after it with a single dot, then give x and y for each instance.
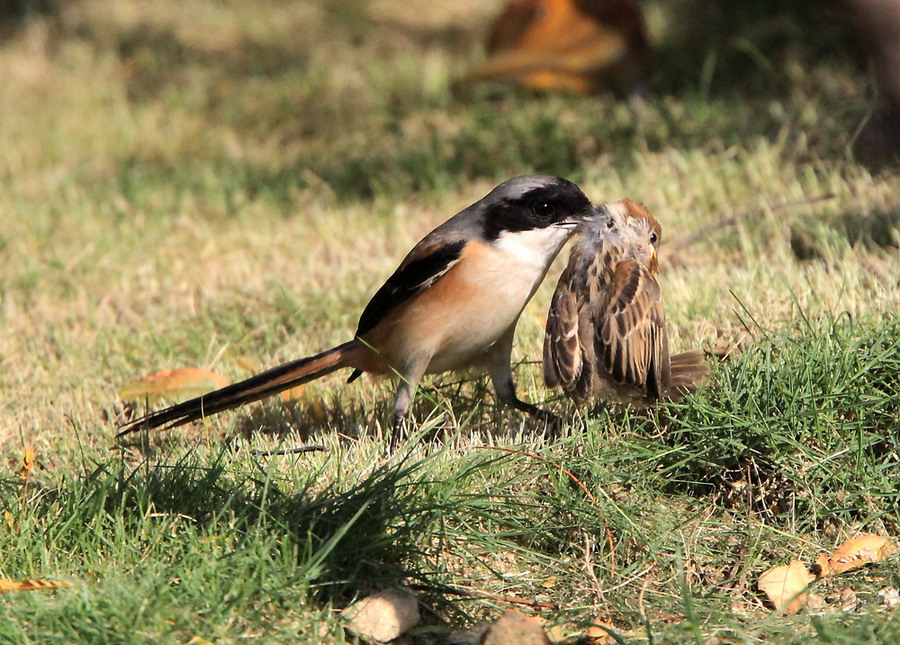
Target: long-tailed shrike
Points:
(453, 303)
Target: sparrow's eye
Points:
(610, 223)
(653, 238)
(543, 209)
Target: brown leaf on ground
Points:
(855, 553)
(383, 616)
(30, 584)
(785, 586)
(293, 394)
(599, 633)
(515, 628)
(849, 600)
(177, 385)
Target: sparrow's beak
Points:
(654, 262)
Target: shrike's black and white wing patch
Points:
(421, 269)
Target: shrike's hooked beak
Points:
(576, 221)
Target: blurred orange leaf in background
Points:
(176, 385)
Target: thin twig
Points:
(628, 580)
(686, 240)
(477, 593)
(589, 544)
(577, 481)
(291, 451)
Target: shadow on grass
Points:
(363, 537)
(444, 406)
(747, 49)
(880, 229)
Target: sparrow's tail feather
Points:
(688, 371)
(249, 390)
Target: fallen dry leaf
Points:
(293, 394)
(515, 628)
(27, 460)
(599, 633)
(785, 585)
(855, 553)
(30, 584)
(177, 385)
(249, 364)
(383, 616)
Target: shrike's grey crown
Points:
(532, 202)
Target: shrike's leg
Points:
(500, 370)
(406, 391)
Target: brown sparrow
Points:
(606, 330)
(581, 46)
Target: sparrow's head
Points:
(536, 211)
(630, 228)
(646, 232)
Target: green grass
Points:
(186, 184)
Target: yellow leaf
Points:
(10, 520)
(178, 385)
(293, 394)
(27, 460)
(31, 584)
(785, 586)
(316, 411)
(858, 552)
(249, 364)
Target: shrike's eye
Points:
(610, 223)
(653, 238)
(543, 209)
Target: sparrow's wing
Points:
(631, 341)
(421, 269)
(563, 361)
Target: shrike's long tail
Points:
(249, 390)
